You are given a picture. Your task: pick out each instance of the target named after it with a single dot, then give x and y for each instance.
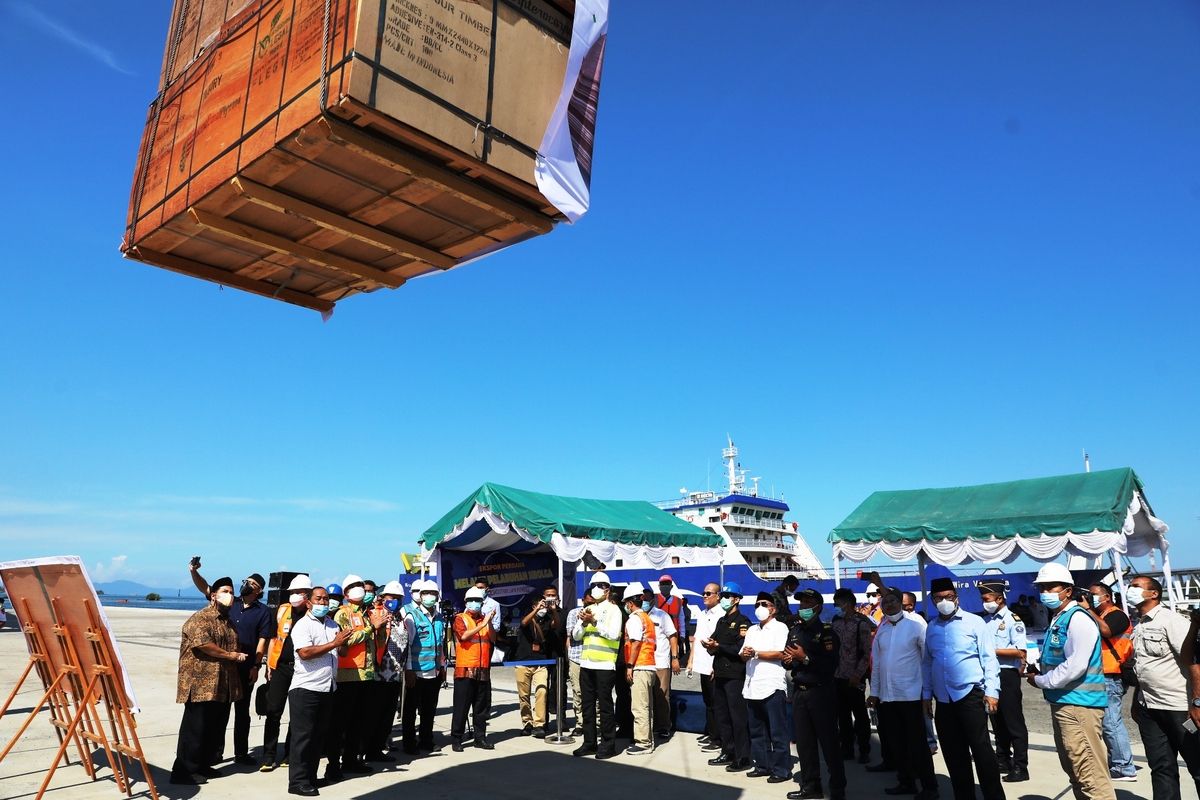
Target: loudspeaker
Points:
(277, 584)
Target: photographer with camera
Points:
(1116, 657)
(540, 638)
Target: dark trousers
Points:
(201, 735)
(344, 740)
(710, 717)
(599, 722)
(421, 697)
(1008, 723)
(277, 697)
(963, 733)
(222, 722)
(814, 711)
(1165, 741)
(902, 740)
(770, 744)
(241, 710)
(385, 696)
(311, 713)
(474, 696)
(853, 722)
(733, 723)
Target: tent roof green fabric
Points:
(1082, 502)
(626, 522)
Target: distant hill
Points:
(135, 589)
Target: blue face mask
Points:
(474, 605)
(647, 605)
(1051, 600)
(837, 612)
(392, 605)
(320, 611)
(333, 604)
(807, 613)
(726, 603)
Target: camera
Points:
(1082, 596)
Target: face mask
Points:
(320, 611)
(899, 615)
(334, 604)
(726, 603)
(474, 605)
(225, 599)
(806, 613)
(665, 589)
(991, 607)
(597, 593)
(1136, 595)
(355, 595)
(429, 600)
(647, 605)
(392, 605)
(296, 599)
(1097, 600)
(484, 597)
(246, 589)
(837, 612)
(1051, 600)
(368, 597)
(947, 607)
(541, 612)
(762, 614)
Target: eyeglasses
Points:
(601, 585)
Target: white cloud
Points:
(114, 569)
(62, 32)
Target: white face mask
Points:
(225, 598)
(1136, 595)
(947, 607)
(991, 607)
(296, 599)
(597, 593)
(1097, 600)
(762, 613)
(899, 615)
(541, 612)
(356, 594)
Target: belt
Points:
(804, 687)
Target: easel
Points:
(73, 705)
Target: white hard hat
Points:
(350, 580)
(632, 591)
(872, 588)
(393, 587)
(475, 593)
(599, 577)
(300, 583)
(1054, 573)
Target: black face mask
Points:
(247, 589)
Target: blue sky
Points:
(882, 245)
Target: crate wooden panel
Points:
(261, 170)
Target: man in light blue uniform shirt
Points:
(1008, 723)
(961, 672)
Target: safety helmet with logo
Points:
(334, 590)
(733, 589)
(1054, 573)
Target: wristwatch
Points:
(1196, 702)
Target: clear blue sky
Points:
(883, 245)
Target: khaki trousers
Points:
(662, 701)
(531, 686)
(576, 693)
(642, 694)
(1081, 751)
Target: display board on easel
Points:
(72, 651)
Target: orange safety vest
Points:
(283, 626)
(645, 657)
(1111, 662)
(475, 652)
(356, 654)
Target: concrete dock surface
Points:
(519, 768)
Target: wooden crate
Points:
(321, 148)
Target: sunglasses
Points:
(764, 604)
(872, 594)
(709, 594)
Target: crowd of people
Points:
(345, 659)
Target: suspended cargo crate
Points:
(309, 150)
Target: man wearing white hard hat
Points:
(1072, 679)
(640, 668)
(599, 628)
(389, 673)
(474, 638)
(874, 610)
(426, 666)
(355, 674)
(281, 664)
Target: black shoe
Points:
(637, 750)
(711, 748)
(484, 744)
(209, 772)
(457, 747)
(881, 767)
(901, 788)
(604, 755)
(333, 776)
(758, 773)
(782, 778)
(528, 729)
(539, 732)
(806, 794)
(304, 791)
(1017, 775)
(267, 766)
(380, 757)
(584, 750)
(578, 731)
(702, 739)
(185, 780)
(724, 758)
(245, 760)
(1005, 764)
(739, 766)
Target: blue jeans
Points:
(1120, 755)
(770, 735)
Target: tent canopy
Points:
(1088, 514)
(501, 517)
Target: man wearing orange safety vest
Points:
(640, 672)
(281, 662)
(355, 674)
(475, 637)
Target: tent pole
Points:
(562, 597)
(424, 556)
(837, 570)
(1116, 565)
(921, 577)
(1167, 578)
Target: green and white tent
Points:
(496, 517)
(1085, 514)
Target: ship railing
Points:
(763, 544)
(744, 519)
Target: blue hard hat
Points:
(732, 588)
(334, 589)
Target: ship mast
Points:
(736, 476)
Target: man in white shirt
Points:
(316, 638)
(1160, 706)
(897, 653)
(666, 661)
(701, 663)
(598, 627)
(765, 691)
